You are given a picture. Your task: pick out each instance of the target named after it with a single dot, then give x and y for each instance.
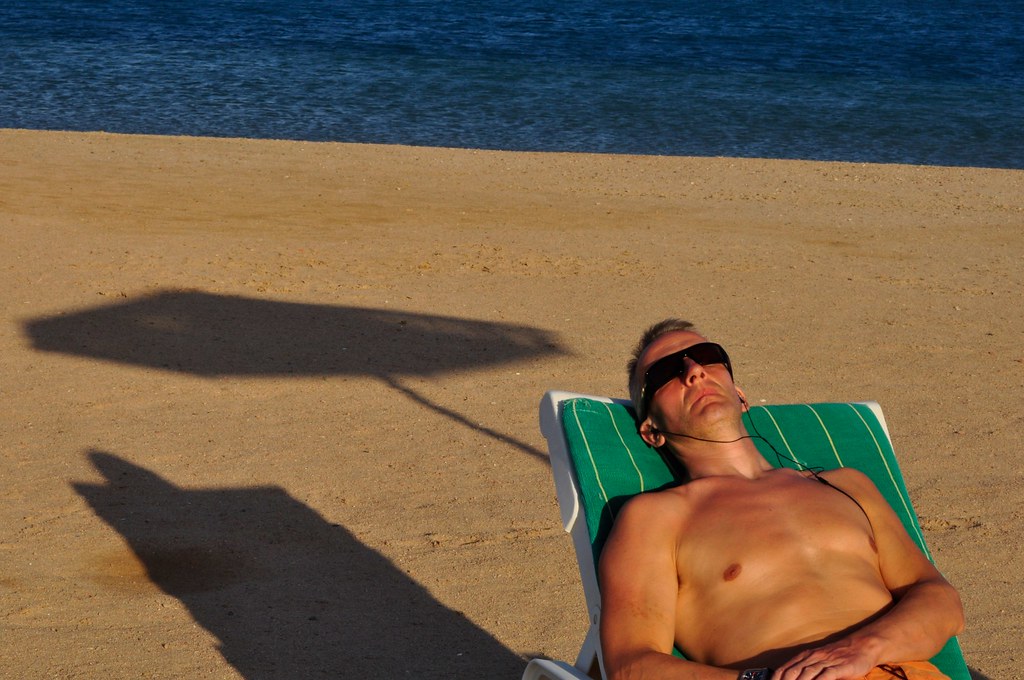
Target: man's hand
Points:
(841, 660)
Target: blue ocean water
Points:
(910, 81)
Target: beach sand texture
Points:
(270, 407)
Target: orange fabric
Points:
(915, 670)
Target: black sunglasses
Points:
(668, 367)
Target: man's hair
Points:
(650, 335)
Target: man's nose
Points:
(692, 370)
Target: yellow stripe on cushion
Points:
(625, 446)
(593, 463)
(828, 435)
(792, 454)
(900, 489)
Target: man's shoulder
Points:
(647, 522)
(669, 495)
(664, 504)
(847, 476)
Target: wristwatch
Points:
(756, 674)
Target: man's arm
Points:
(639, 590)
(927, 610)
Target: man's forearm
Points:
(652, 665)
(914, 629)
(917, 626)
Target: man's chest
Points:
(740, 534)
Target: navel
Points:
(732, 572)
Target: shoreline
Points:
(547, 152)
(351, 341)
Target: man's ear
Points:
(650, 434)
(744, 404)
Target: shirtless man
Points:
(748, 567)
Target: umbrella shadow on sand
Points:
(210, 335)
(287, 594)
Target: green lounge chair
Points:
(599, 461)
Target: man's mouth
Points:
(703, 394)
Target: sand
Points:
(270, 407)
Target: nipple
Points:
(732, 572)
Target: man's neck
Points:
(719, 459)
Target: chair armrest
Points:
(546, 669)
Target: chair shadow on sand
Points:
(208, 334)
(288, 594)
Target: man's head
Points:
(636, 379)
(673, 357)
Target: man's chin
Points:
(711, 407)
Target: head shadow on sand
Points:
(286, 593)
(209, 334)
